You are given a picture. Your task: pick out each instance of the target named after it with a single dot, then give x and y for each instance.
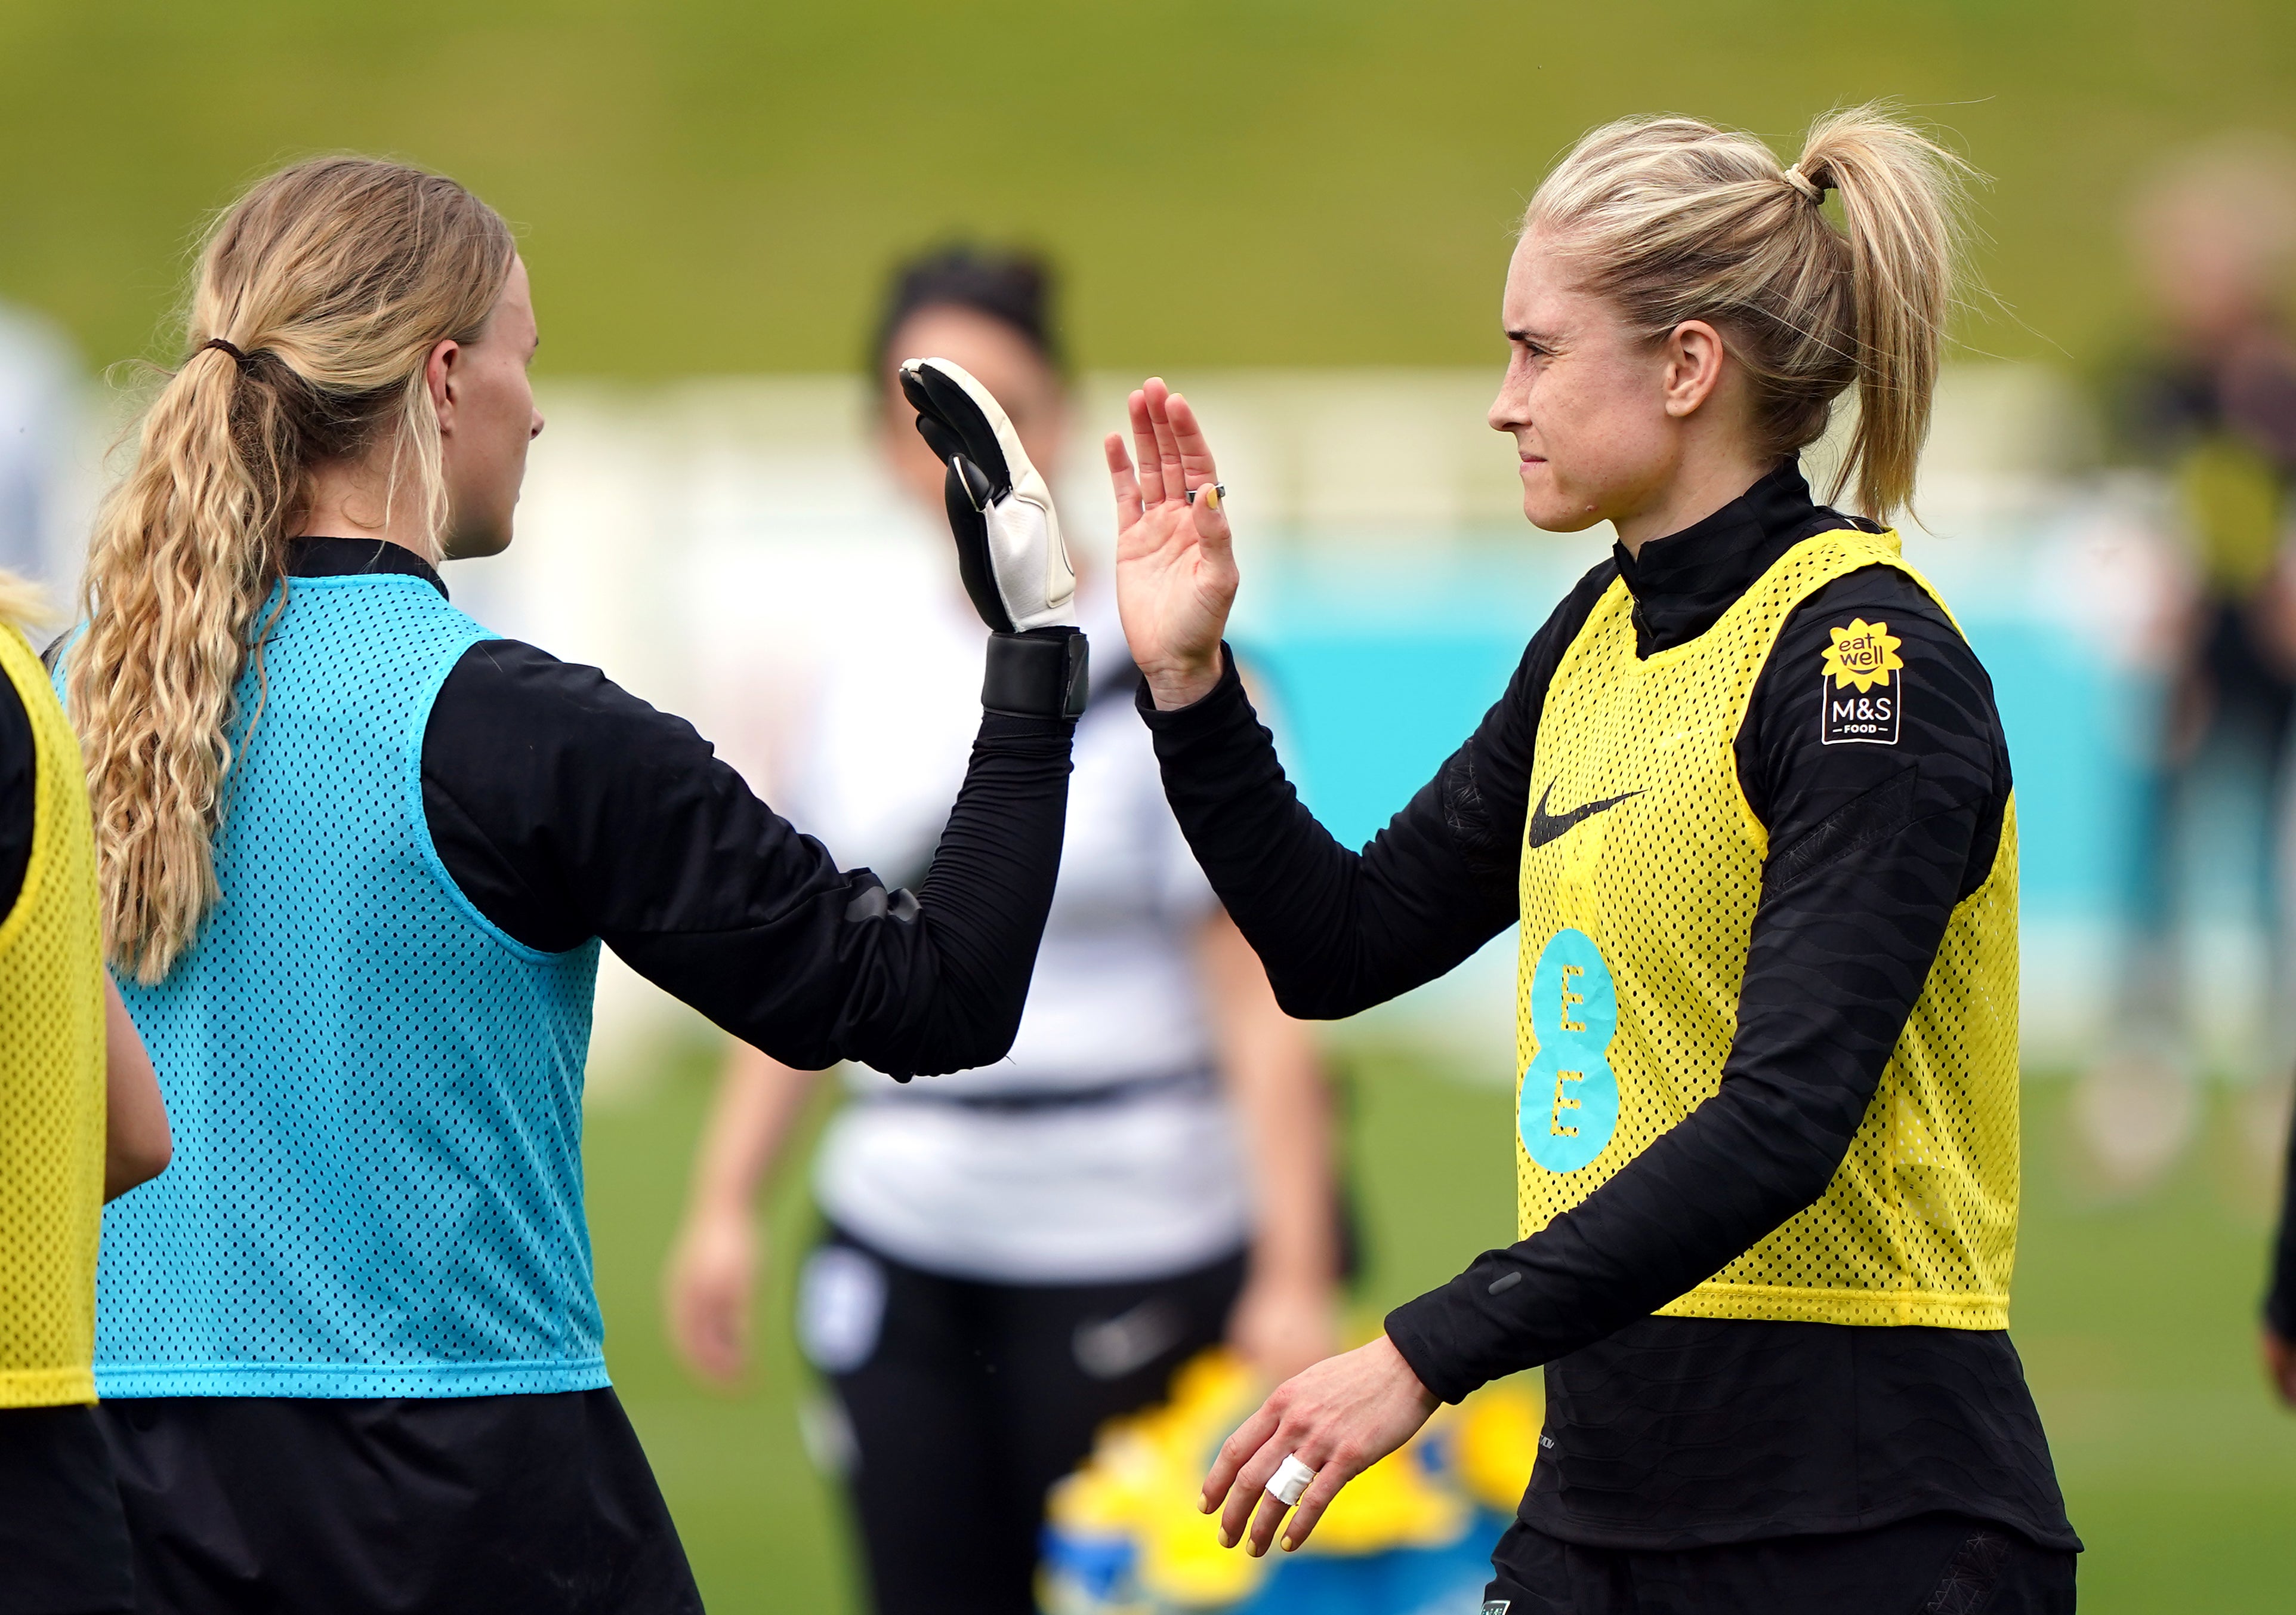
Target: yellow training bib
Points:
(1642, 868)
(51, 1111)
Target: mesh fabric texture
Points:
(377, 1186)
(1919, 1224)
(52, 1116)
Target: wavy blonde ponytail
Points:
(1675, 220)
(318, 297)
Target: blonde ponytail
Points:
(318, 297)
(1675, 219)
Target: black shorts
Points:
(458, 1505)
(964, 1401)
(63, 1542)
(1932, 1565)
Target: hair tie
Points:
(1804, 183)
(246, 365)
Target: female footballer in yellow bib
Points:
(1749, 798)
(81, 1123)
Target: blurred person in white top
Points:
(39, 412)
(1015, 1254)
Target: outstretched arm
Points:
(565, 808)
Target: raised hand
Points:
(1008, 539)
(1009, 550)
(1176, 573)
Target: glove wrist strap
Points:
(1042, 673)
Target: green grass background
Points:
(2135, 1317)
(713, 187)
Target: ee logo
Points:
(1568, 1106)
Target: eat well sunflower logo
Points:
(1864, 654)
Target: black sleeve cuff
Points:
(1420, 1329)
(1026, 734)
(1041, 673)
(1214, 707)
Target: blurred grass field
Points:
(715, 187)
(2135, 1317)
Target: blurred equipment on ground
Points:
(1125, 1534)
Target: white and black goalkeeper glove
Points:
(1009, 551)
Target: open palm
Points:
(1176, 573)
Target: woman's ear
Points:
(438, 374)
(1694, 355)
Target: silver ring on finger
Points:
(1290, 1481)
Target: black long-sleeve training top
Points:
(18, 771)
(567, 808)
(1677, 1432)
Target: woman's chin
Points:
(477, 542)
(1551, 514)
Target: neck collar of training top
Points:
(348, 557)
(1684, 582)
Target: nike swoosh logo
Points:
(1547, 826)
(1111, 1348)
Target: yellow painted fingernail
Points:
(1289, 1545)
(1227, 1537)
(1212, 493)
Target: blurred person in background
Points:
(2213, 405)
(1749, 798)
(39, 412)
(1015, 1254)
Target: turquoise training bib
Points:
(376, 1095)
